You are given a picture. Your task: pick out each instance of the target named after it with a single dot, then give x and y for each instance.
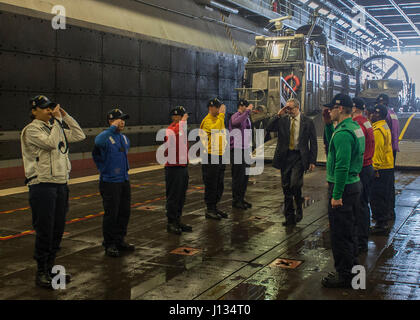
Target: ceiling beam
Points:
(398, 24)
(405, 16)
(361, 9)
(395, 15)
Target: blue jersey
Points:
(110, 155)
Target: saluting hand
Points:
(250, 107)
(222, 108)
(62, 111)
(184, 117)
(56, 112)
(282, 111)
(326, 116)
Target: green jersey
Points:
(345, 156)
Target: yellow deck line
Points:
(406, 126)
(17, 190)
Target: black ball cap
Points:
(178, 111)
(243, 102)
(382, 110)
(382, 98)
(41, 102)
(115, 114)
(370, 109)
(216, 102)
(340, 100)
(359, 103)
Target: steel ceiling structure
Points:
(383, 24)
(396, 23)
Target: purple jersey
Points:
(242, 122)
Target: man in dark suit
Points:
(296, 152)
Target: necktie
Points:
(292, 134)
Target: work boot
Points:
(112, 251)
(173, 228)
(246, 203)
(42, 277)
(335, 280)
(212, 214)
(379, 230)
(239, 205)
(184, 227)
(221, 214)
(124, 246)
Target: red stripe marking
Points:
(83, 196)
(90, 216)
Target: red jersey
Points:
(177, 149)
(369, 139)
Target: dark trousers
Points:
(116, 198)
(292, 182)
(239, 176)
(213, 178)
(49, 203)
(363, 214)
(343, 228)
(176, 189)
(392, 202)
(381, 196)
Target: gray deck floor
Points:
(236, 254)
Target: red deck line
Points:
(89, 216)
(87, 196)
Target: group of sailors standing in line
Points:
(44, 144)
(361, 151)
(47, 168)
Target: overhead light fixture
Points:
(353, 29)
(364, 36)
(331, 16)
(313, 5)
(345, 25)
(358, 33)
(370, 33)
(303, 1)
(323, 11)
(340, 22)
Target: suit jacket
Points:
(307, 145)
